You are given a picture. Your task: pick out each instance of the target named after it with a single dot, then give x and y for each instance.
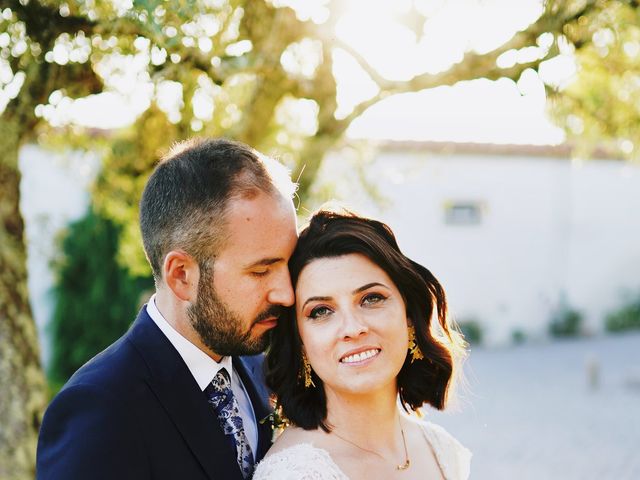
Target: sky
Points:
(480, 111)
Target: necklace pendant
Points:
(404, 466)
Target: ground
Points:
(563, 410)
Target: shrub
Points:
(566, 322)
(96, 299)
(626, 317)
(518, 336)
(472, 331)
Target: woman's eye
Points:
(372, 299)
(319, 312)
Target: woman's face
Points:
(353, 324)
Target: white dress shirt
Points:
(204, 369)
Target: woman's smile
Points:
(360, 357)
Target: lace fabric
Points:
(306, 462)
(300, 462)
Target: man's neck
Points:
(175, 314)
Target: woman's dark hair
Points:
(331, 235)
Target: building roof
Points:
(451, 148)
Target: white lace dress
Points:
(306, 462)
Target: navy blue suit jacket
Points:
(135, 411)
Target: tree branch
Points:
(44, 23)
(475, 65)
(382, 82)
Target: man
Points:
(173, 398)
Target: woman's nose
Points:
(353, 325)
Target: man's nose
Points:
(281, 292)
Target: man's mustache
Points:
(271, 312)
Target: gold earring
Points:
(414, 348)
(306, 372)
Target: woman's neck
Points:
(366, 420)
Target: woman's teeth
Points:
(358, 357)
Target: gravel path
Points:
(532, 412)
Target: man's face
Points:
(242, 296)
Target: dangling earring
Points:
(306, 372)
(414, 348)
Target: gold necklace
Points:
(403, 466)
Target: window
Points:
(463, 213)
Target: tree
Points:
(96, 300)
(27, 32)
(601, 106)
(242, 69)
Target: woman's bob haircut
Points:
(329, 235)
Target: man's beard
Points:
(221, 329)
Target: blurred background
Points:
(499, 139)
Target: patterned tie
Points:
(225, 405)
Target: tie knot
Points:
(222, 379)
(218, 392)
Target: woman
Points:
(361, 339)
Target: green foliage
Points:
(125, 169)
(96, 300)
(472, 331)
(565, 322)
(518, 336)
(626, 317)
(600, 107)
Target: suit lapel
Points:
(184, 402)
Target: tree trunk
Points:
(23, 392)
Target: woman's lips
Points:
(360, 356)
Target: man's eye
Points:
(373, 299)
(319, 312)
(260, 273)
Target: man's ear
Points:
(181, 274)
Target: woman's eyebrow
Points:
(316, 299)
(368, 286)
(356, 291)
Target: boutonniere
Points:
(276, 419)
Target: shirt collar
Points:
(202, 366)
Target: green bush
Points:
(566, 322)
(626, 317)
(472, 331)
(96, 299)
(518, 336)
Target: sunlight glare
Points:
(388, 46)
(169, 99)
(302, 58)
(300, 116)
(353, 84)
(314, 10)
(480, 111)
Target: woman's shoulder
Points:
(294, 457)
(453, 457)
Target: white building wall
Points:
(604, 259)
(549, 229)
(53, 193)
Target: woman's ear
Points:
(181, 274)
